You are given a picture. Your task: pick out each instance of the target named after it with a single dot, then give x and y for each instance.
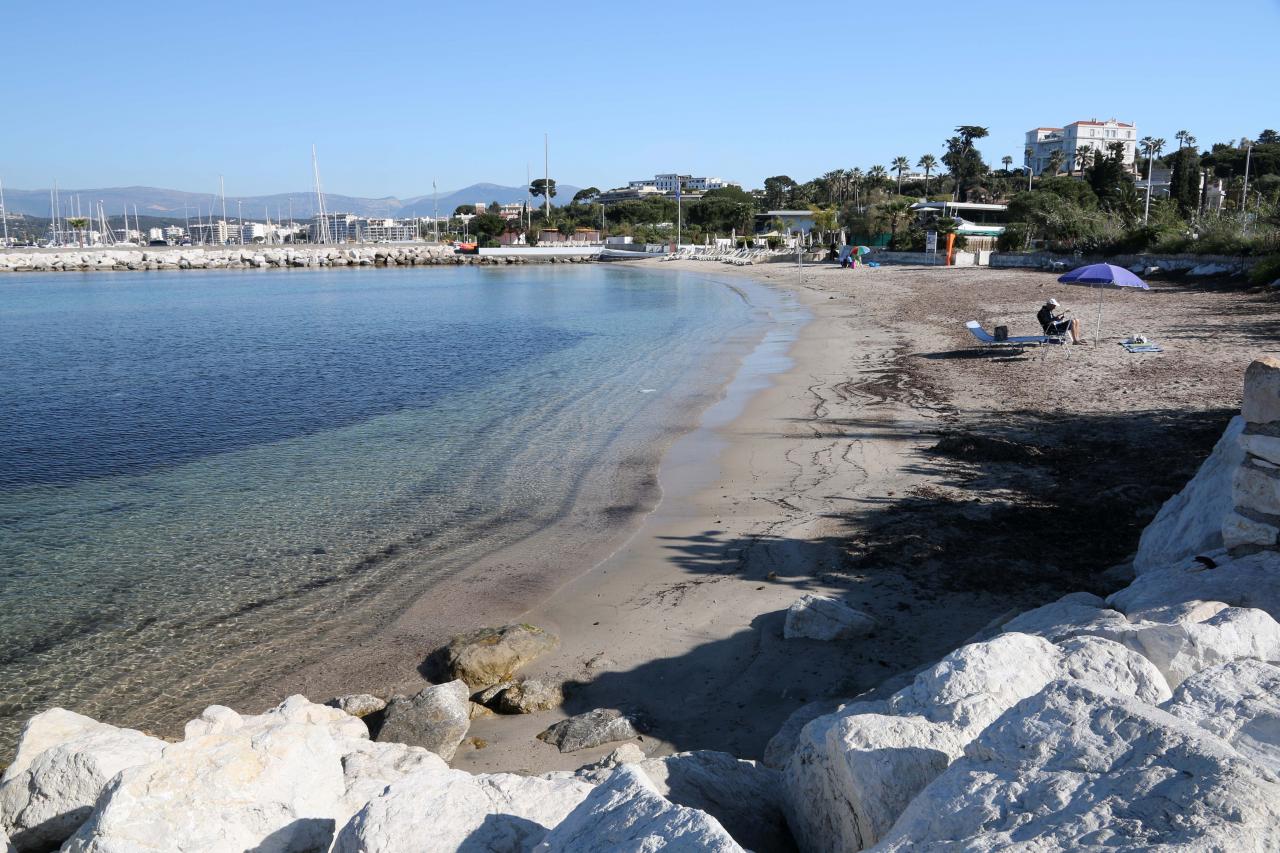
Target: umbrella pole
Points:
(1097, 328)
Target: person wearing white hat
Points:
(1058, 324)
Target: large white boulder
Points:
(743, 796)
(1248, 581)
(450, 810)
(1102, 661)
(814, 617)
(1183, 646)
(369, 767)
(1240, 703)
(1190, 522)
(64, 761)
(853, 773)
(1070, 616)
(1081, 767)
(626, 813)
(271, 783)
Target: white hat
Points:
(1052, 302)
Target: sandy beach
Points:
(892, 463)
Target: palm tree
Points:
(1181, 136)
(78, 224)
(1190, 140)
(928, 162)
(877, 175)
(1083, 155)
(1152, 148)
(1006, 161)
(1056, 158)
(900, 165)
(855, 180)
(895, 213)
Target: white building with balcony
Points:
(1093, 134)
(667, 183)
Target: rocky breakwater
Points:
(249, 257)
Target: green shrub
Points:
(1266, 270)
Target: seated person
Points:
(1057, 324)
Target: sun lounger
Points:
(989, 339)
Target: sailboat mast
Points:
(222, 190)
(4, 214)
(324, 215)
(546, 174)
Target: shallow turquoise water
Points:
(193, 462)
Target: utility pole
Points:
(1146, 213)
(222, 190)
(546, 175)
(435, 211)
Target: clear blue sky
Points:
(395, 94)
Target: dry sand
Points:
(930, 483)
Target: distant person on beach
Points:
(1057, 324)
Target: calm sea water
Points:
(193, 462)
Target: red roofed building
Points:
(1090, 135)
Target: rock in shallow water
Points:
(437, 718)
(593, 728)
(491, 656)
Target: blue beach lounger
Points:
(988, 339)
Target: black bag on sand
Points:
(1002, 333)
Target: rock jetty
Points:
(1146, 720)
(250, 257)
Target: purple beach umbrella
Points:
(1103, 275)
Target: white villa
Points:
(1092, 134)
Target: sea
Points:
(194, 465)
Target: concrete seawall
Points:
(250, 257)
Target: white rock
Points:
(449, 810)
(1261, 402)
(64, 761)
(743, 796)
(1240, 703)
(1182, 648)
(368, 768)
(813, 617)
(780, 747)
(1079, 767)
(357, 704)
(1242, 531)
(1190, 522)
(1248, 581)
(273, 784)
(1107, 663)
(626, 813)
(1256, 489)
(1070, 616)
(1265, 447)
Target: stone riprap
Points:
(260, 257)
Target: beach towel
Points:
(1131, 346)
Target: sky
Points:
(398, 94)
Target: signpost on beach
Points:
(931, 242)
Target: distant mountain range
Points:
(153, 201)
